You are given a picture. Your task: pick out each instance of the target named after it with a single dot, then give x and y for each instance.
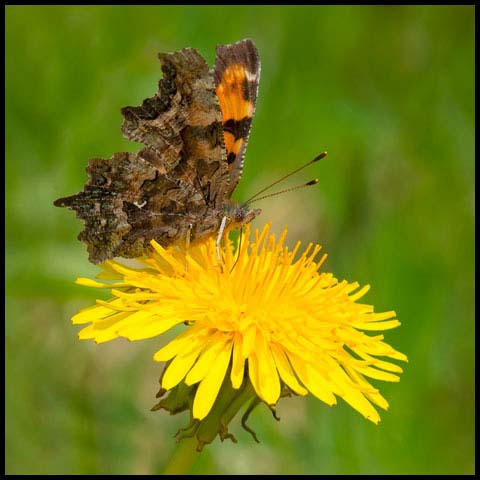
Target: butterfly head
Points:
(240, 214)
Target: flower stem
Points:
(183, 458)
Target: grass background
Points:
(389, 91)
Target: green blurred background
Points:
(389, 91)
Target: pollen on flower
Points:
(264, 321)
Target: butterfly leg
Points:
(187, 244)
(219, 237)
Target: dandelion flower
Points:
(260, 324)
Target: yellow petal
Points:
(312, 380)
(354, 397)
(192, 336)
(238, 363)
(178, 368)
(378, 374)
(248, 343)
(88, 282)
(156, 327)
(285, 371)
(207, 359)
(360, 293)
(269, 383)
(386, 325)
(372, 394)
(93, 313)
(99, 336)
(210, 385)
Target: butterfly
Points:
(195, 131)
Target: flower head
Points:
(260, 324)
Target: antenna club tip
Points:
(319, 157)
(312, 182)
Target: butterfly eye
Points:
(239, 214)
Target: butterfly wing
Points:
(236, 76)
(170, 185)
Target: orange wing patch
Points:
(236, 75)
(232, 146)
(237, 103)
(231, 94)
(236, 107)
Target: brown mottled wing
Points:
(175, 181)
(237, 74)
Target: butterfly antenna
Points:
(316, 159)
(274, 194)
